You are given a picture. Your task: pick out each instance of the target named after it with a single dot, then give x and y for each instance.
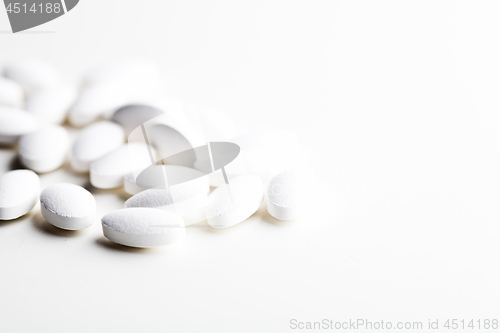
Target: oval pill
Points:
(233, 203)
(44, 150)
(11, 93)
(283, 196)
(68, 206)
(109, 170)
(143, 227)
(14, 123)
(19, 191)
(51, 104)
(95, 141)
(94, 101)
(182, 199)
(31, 73)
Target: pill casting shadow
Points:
(45, 227)
(109, 245)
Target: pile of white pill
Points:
(165, 154)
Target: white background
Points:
(398, 103)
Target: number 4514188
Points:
(486, 324)
(35, 8)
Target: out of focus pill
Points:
(109, 170)
(45, 149)
(154, 178)
(51, 104)
(31, 73)
(283, 196)
(233, 203)
(95, 141)
(129, 184)
(19, 191)
(14, 123)
(133, 115)
(143, 227)
(11, 93)
(68, 206)
(94, 101)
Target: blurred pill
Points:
(133, 115)
(95, 141)
(95, 100)
(109, 170)
(19, 191)
(51, 104)
(14, 123)
(68, 206)
(11, 93)
(31, 73)
(45, 149)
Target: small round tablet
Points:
(233, 203)
(45, 149)
(68, 206)
(19, 191)
(143, 227)
(283, 196)
(95, 141)
(14, 123)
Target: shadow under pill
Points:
(15, 164)
(45, 227)
(107, 244)
(4, 223)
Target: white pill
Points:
(170, 133)
(284, 196)
(95, 141)
(233, 203)
(14, 123)
(45, 149)
(11, 93)
(19, 191)
(133, 115)
(51, 104)
(103, 98)
(109, 170)
(96, 100)
(182, 199)
(143, 227)
(68, 206)
(129, 184)
(155, 178)
(31, 73)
